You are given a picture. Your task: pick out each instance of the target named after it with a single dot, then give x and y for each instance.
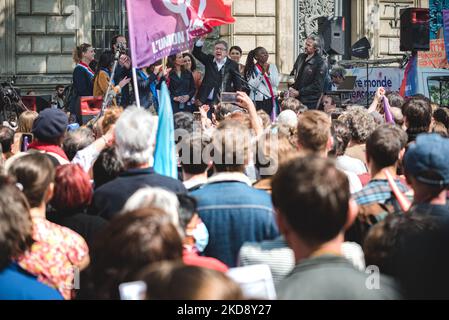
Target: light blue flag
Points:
(165, 161)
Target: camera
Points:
(121, 48)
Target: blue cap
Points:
(428, 155)
(50, 124)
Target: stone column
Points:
(7, 38)
(285, 44)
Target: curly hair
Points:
(342, 136)
(110, 117)
(360, 122)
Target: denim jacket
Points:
(234, 213)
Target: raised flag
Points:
(159, 28)
(165, 160)
(387, 110)
(409, 83)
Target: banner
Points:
(435, 57)
(389, 78)
(159, 28)
(446, 31)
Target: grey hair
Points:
(77, 140)
(288, 118)
(157, 198)
(135, 137)
(223, 43)
(317, 43)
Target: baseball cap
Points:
(428, 159)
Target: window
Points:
(439, 90)
(108, 19)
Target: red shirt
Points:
(191, 258)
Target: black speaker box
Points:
(332, 31)
(415, 29)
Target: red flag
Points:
(206, 14)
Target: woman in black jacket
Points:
(180, 84)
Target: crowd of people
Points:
(307, 192)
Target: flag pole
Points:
(164, 66)
(136, 88)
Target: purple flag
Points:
(387, 111)
(154, 32)
(446, 31)
(159, 28)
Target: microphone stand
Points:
(249, 86)
(110, 94)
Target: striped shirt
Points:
(281, 259)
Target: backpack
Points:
(368, 216)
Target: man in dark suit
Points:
(221, 73)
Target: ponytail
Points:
(78, 52)
(249, 66)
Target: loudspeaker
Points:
(332, 32)
(360, 49)
(89, 108)
(37, 103)
(415, 29)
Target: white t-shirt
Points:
(350, 164)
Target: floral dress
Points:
(55, 255)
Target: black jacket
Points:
(125, 98)
(181, 86)
(82, 82)
(110, 198)
(213, 78)
(309, 77)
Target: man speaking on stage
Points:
(221, 73)
(309, 71)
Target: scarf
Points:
(273, 97)
(87, 68)
(42, 146)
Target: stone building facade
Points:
(37, 36)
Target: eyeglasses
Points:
(220, 49)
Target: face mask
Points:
(201, 236)
(73, 126)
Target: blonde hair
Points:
(110, 118)
(79, 50)
(26, 120)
